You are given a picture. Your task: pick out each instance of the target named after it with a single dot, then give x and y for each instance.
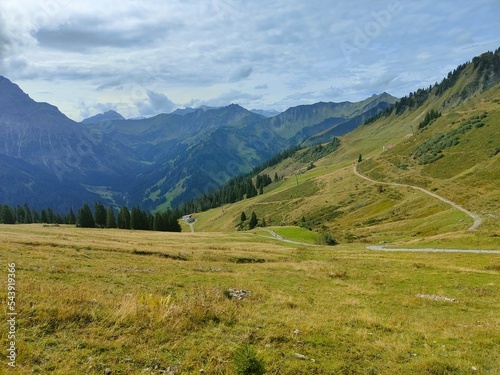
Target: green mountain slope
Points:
(461, 151)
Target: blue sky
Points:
(152, 56)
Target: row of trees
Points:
(136, 219)
(100, 217)
(234, 190)
(239, 188)
(26, 215)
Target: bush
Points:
(247, 362)
(327, 239)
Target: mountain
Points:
(183, 111)
(56, 160)
(445, 138)
(298, 124)
(104, 117)
(194, 151)
(266, 113)
(155, 162)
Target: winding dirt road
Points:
(477, 220)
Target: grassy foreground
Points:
(95, 301)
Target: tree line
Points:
(100, 217)
(487, 64)
(240, 187)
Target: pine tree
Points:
(100, 215)
(360, 158)
(19, 214)
(28, 217)
(50, 216)
(253, 221)
(71, 217)
(110, 218)
(243, 216)
(124, 218)
(85, 217)
(7, 216)
(43, 217)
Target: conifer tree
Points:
(110, 218)
(85, 217)
(44, 217)
(100, 215)
(243, 216)
(7, 217)
(71, 217)
(124, 218)
(28, 217)
(253, 221)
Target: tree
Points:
(28, 217)
(124, 218)
(263, 223)
(139, 219)
(360, 158)
(7, 217)
(85, 217)
(50, 216)
(43, 217)
(253, 221)
(100, 215)
(243, 216)
(71, 217)
(110, 218)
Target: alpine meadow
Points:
(346, 237)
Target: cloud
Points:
(5, 40)
(154, 104)
(240, 74)
(74, 51)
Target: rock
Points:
(300, 356)
(474, 368)
(107, 371)
(296, 332)
(237, 293)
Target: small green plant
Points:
(247, 362)
(327, 239)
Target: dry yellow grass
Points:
(127, 301)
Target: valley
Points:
(370, 245)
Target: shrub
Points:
(327, 239)
(247, 362)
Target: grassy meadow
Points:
(96, 301)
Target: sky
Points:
(146, 57)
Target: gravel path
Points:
(477, 220)
(433, 250)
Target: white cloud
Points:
(72, 52)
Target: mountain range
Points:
(51, 161)
(444, 139)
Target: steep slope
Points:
(331, 198)
(193, 151)
(297, 124)
(48, 146)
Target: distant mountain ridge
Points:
(153, 162)
(102, 117)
